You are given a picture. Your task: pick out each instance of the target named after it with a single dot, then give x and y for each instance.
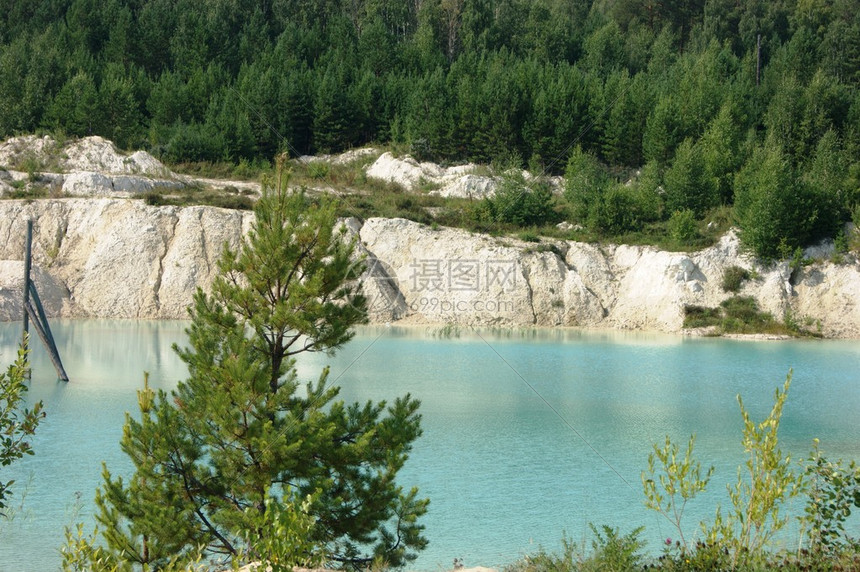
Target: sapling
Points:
(680, 479)
(765, 482)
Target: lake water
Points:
(527, 434)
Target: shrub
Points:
(17, 423)
(733, 278)
(834, 489)
(318, 169)
(585, 183)
(613, 551)
(529, 236)
(516, 203)
(682, 226)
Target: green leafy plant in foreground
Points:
(679, 481)
(281, 533)
(742, 538)
(765, 482)
(833, 489)
(610, 551)
(17, 423)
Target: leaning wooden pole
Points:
(34, 311)
(27, 256)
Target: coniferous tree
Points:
(76, 108)
(242, 436)
(687, 186)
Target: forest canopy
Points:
(697, 94)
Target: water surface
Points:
(527, 434)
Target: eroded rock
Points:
(120, 258)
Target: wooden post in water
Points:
(33, 310)
(27, 256)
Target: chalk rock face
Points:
(409, 173)
(452, 276)
(52, 293)
(92, 184)
(385, 302)
(91, 166)
(86, 154)
(17, 149)
(121, 258)
(405, 171)
(827, 297)
(97, 154)
(341, 159)
(468, 187)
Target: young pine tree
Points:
(243, 436)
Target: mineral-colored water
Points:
(527, 434)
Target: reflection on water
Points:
(526, 433)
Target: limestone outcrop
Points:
(86, 167)
(116, 258)
(458, 181)
(100, 257)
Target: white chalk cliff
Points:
(104, 255)
(98, 257)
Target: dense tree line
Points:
(696, 95)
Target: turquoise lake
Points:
(527, 434)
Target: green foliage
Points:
(772, 207)
(519, 203)
(529, 236)
(212, 458)
(833, 490)
(606, 207)
(585, 184)
(278, 536)
(83, 553)
(764, 485)
(739, 315)
(679, 481)
(687, 187)
(733, 278)
(17, 423)
(543, 561)
(318, 169)
(683, 227)
(610, 550)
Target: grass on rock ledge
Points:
(741, 315)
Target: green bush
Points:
(585, 183)
(318, 169)
(733, 278)
(682, 226)
(737, 315)
(529, 236)
(519, 204)
(701, 317)
(610, 550)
